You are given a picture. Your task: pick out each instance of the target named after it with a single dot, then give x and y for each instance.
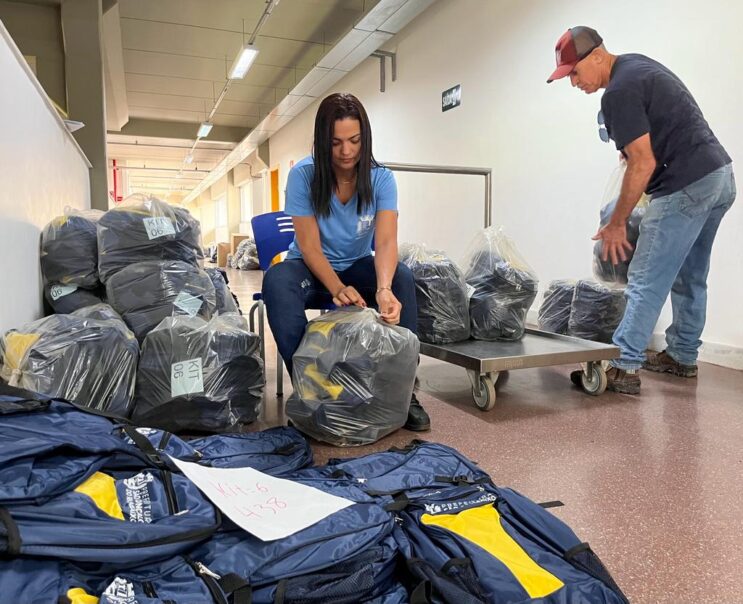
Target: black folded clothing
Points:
(554, 313)
(353, 377)
(69, 250)
(503, 294)
(226, 300)
(596, 311)
(147, 292)
(199, 376)
(88, 361)
(65, 299)
(144, 229)
(441, 295)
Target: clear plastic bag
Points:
(604, 270)
(441, 295)
(199, 376)
(503, 287)
(596, 311)
(69, 249)
(353, 377)
(226, 300)
(89, 361)
(145, 228)
(147, 292)
(554, 313)
(99, 312)
(246, 255)
(65, 299)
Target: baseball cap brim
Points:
(561, 71)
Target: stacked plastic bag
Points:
(441, 295)
(84, 357)
(199, 376)
(144, 228)
(246, 255)
(604, 270)
(504, 287)
(554, 313)
(69, 260)
(226, 300)
(145, 293)
(596, 311)
(353, 377)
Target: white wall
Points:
(549, 166)
(42, 170)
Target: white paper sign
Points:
(186, 377)
(158, 226)
(188, 303)
(269, 508)
(58, 291)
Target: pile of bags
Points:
(353, 377)
(246, 255)
(117, 522)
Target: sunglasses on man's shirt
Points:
(603, 132)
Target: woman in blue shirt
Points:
(341, 200)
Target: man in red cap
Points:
(673, 156)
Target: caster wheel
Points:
(484, 395)
(594, 382)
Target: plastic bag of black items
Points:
(596, 311)
(65, 299)
(604, 270)
(147, 292)
(199, 376)
(353, 377)
(503, 286)
(554, 313)
(145, 228)
(99, 312)
(69, 249)
(88, 361)
(441, 295)
(226, 301)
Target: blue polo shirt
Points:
(345, 235)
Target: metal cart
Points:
(485, 360)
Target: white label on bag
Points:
(189, 304)
(58, 291)
(470, 291)
(186, 377)
(158, 226)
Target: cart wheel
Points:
(594, 383)
(485, 398)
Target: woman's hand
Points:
(347, 296)
(389, 306)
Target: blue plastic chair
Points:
(273, 233)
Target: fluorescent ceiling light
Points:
(242, 62)
(204, 129)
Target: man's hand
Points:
(389, 306)
(347, 296)
(615, 245)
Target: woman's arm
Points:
(385, 264)
(308, 238)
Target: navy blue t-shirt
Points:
(644, 96)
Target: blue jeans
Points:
(672, 256)
(289, 288)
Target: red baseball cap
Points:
(574, 46)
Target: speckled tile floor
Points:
(654, 483)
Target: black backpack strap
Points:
(234, 585)
(144, 445)
(422, 593)
(280, 592)
(461, 480)
(399, 503)
(288, 449)
(551, 504)
(455, 563)
(12, 534)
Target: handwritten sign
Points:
(269, 508)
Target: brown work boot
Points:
(624, 382)
(662, 362)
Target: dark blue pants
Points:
(289, 288)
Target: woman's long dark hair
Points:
(339, 106)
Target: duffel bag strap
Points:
(144, 445)
(237, 587)
(12, 534)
